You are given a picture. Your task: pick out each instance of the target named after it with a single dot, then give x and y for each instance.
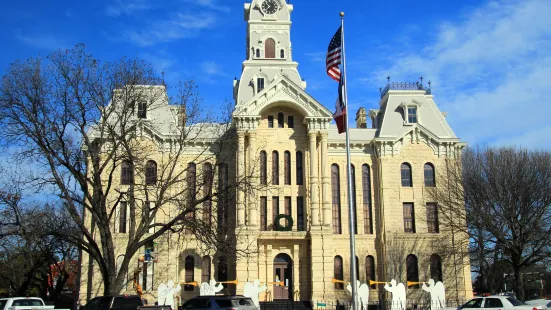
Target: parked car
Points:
(121, 302)
(220, 302)
(23, 303)
(500, 302)
(540, 302)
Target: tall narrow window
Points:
(207, 190)
(357, 268)
(142, 109)
(429, 175)
(287, 167)
(147, 276)
(189, 266)
(290, 121)
(338, 272)
(205, 269)
(223, 193)
(270, 121)
(275, 209)
(366, 195)
(412, 115)
(432, 218)
(287, 207)
(280, 120)
(257, 53)
(354, 209)
(123, 208)
(275, 168)
(222, 269)
(150, 172)
(263, 168)
(127, 173)
(409, 218)
(412, 269)
(300, 214)
(269, 48)
(436, 267)
(263, 213)
(282, 53)
(369, 269)
(300, 175)
(259, 85)
(336, 199)
(405, 170)
(191, 176)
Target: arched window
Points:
(287, 168)
(150, 172)
(354, 209)
(191, 178)
(369, 269)
(205, 269)
(263, 168)
(336, 199)
(429, 175)
(189, 266)
(412, 269)
(357, 268)
(224, 197)
(280, 120)
(300, 175)
(338, 272)
(436, 267)
(275, 168)
(269, 48)
(207, 190)
(406, 175)
(127, 174)
(366, 195)
(257, 53)
(282, 53)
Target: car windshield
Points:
(27, 303)
(242, 302)
(515, 302)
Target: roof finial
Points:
(163, 74)
(421, 78)
(429, 83)
(388, 79)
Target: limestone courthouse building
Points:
(398, 152)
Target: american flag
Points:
(334, 57)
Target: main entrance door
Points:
(283, 272)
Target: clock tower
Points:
(268, 49)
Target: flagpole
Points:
(351, 213)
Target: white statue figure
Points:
(166, 293)
(253, 289)
(362, 290)
(211, 288)
(398, 295)
(437, 294)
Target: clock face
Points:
(270, 6)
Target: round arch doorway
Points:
(283, 272)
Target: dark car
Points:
(220, 302)
(121, 302)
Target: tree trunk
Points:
(518, 282)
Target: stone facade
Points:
(407, 128)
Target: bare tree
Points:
(503, 196)
(85, 125)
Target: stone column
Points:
(314, 202)
(325, 179)
(254, 167)
(240, 176)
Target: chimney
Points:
(361, 118)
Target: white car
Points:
(497, 302)
(540, 302)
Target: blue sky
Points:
(489, 61)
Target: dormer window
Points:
(259, 85)
(142, 109)
(412, 115)
(282, 53)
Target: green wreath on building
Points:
(277, 222)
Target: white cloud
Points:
(128, 7)
(490, 70)
(43, 41)
(181, 25)
(212, 4)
